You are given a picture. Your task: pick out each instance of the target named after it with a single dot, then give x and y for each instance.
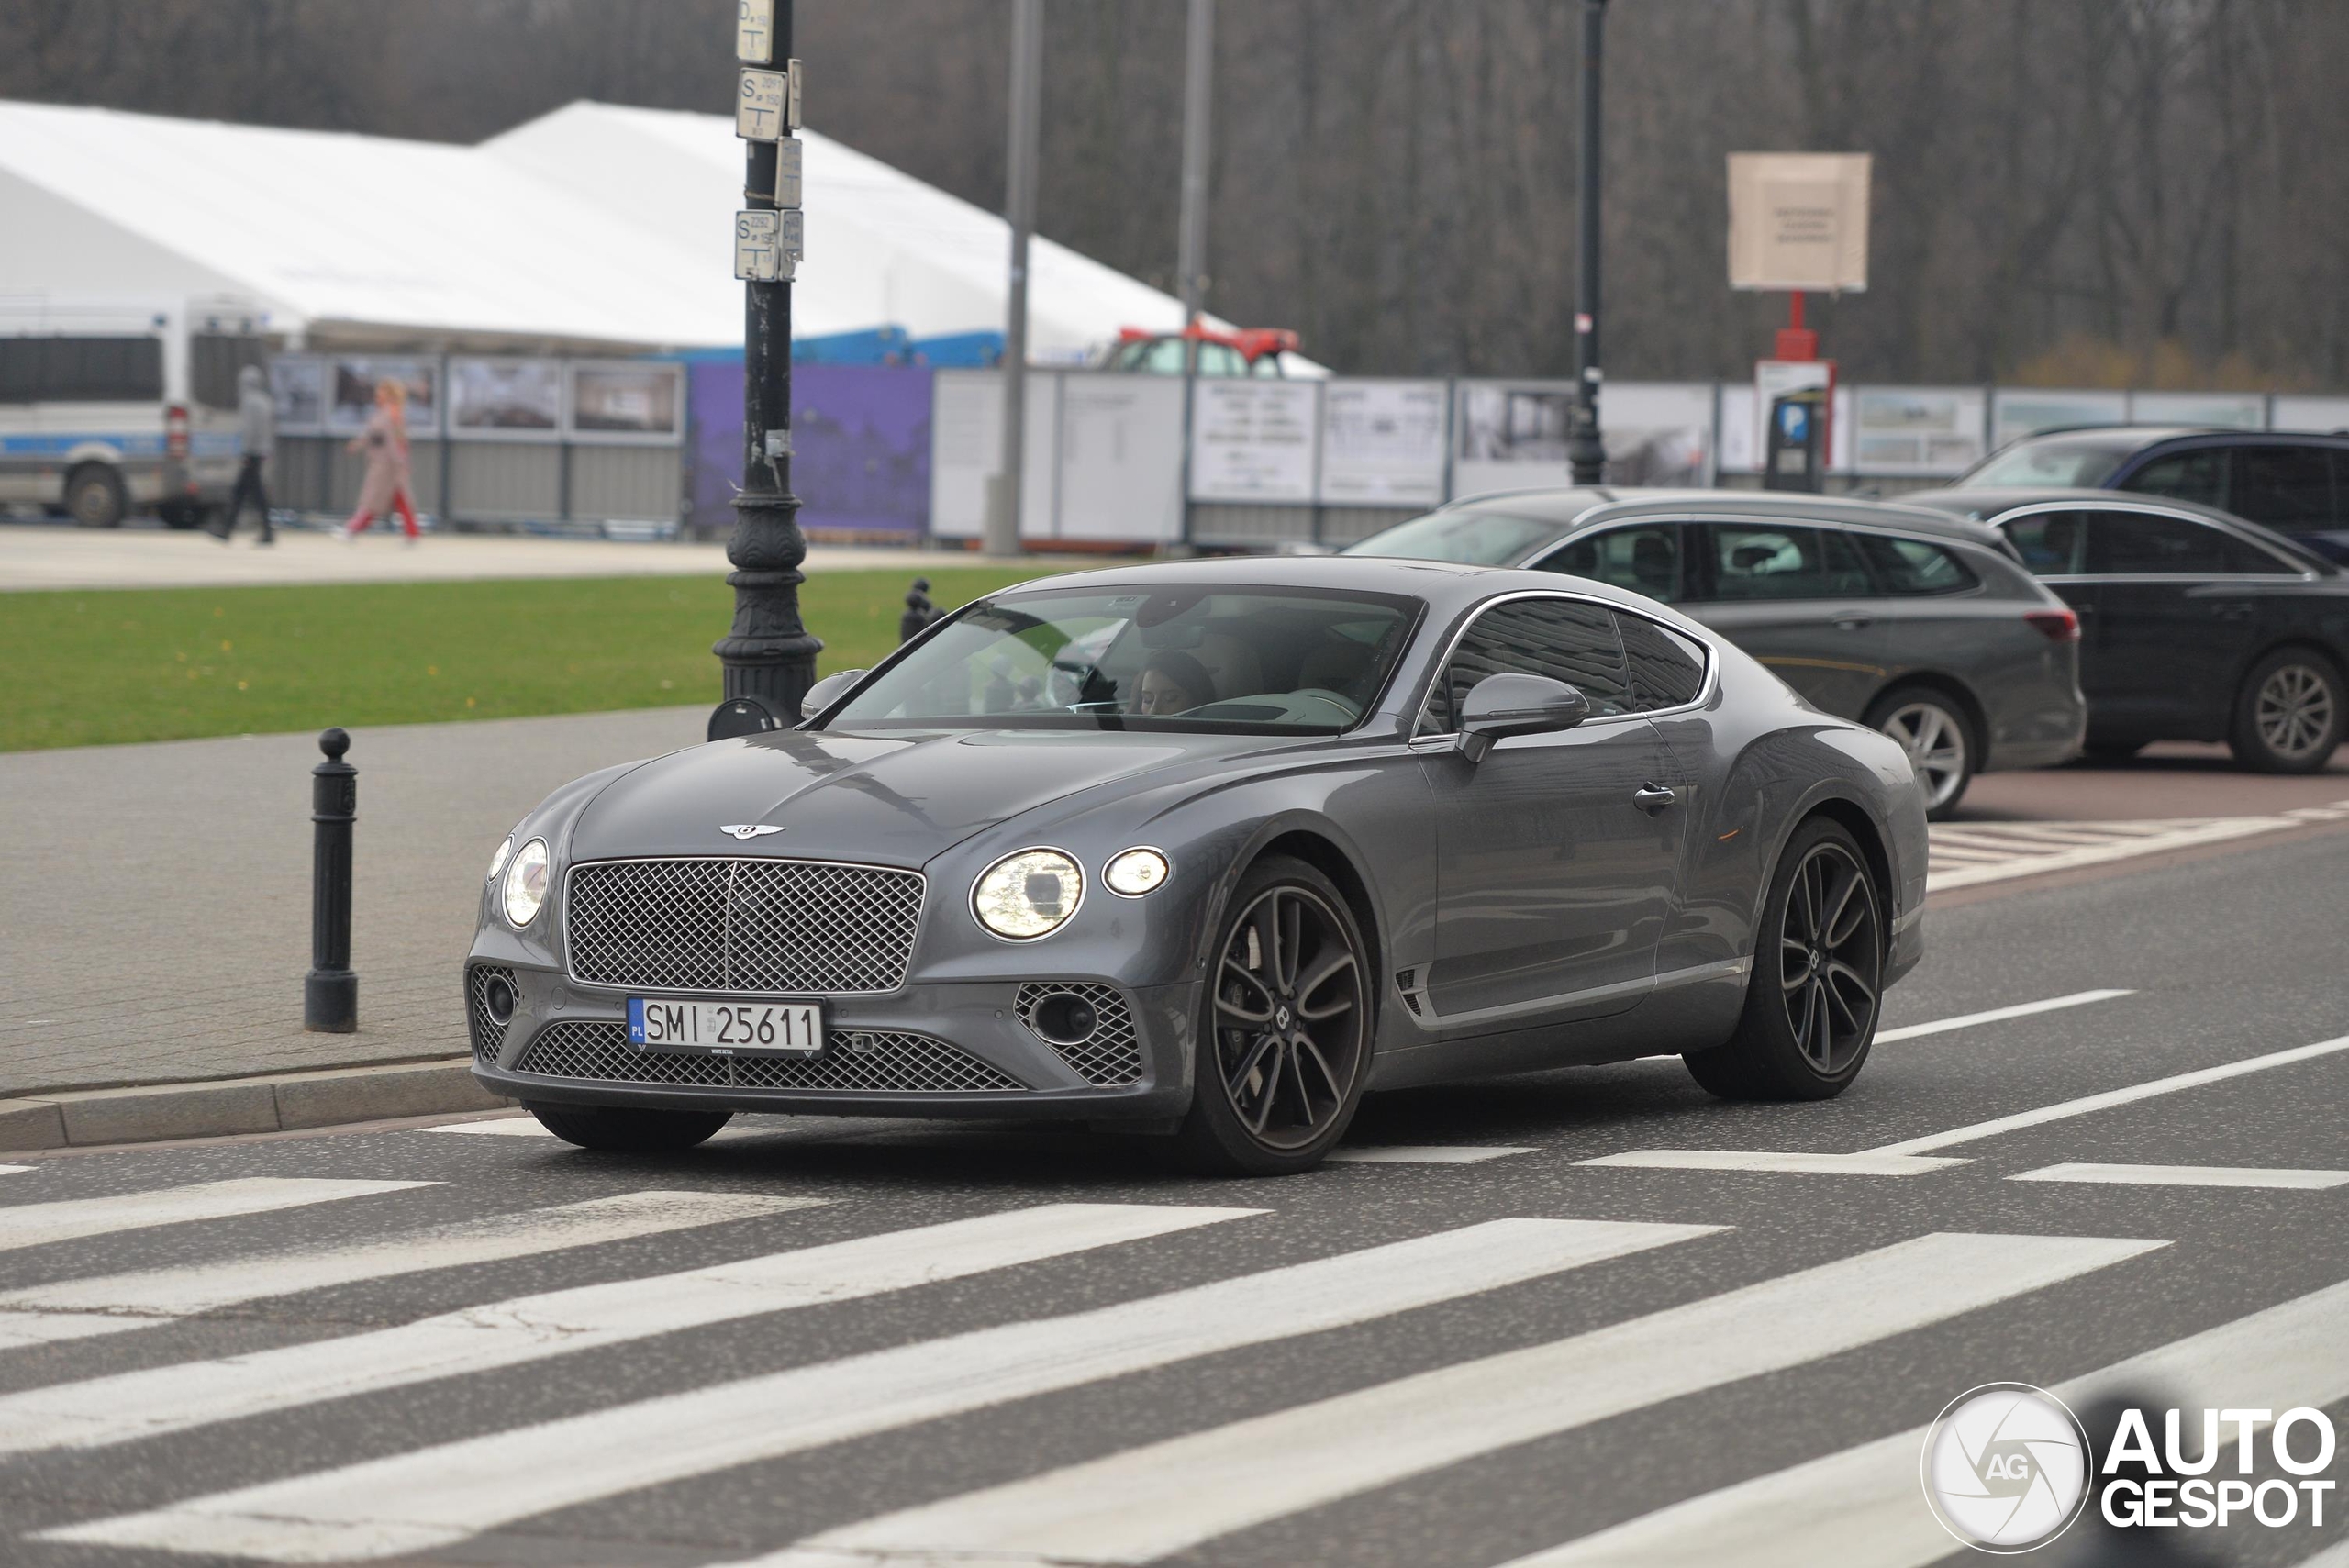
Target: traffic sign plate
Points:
(754, 32)
(758, 246)
(760, 106)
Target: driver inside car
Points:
(1171, 681)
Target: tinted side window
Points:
(2185, 477)
(214, 360)
(1562, 638)
(1913, 566)
(2288, 488)
(1667, 669)
(80, 370)
(1646, 559)
(2140, 544)
(1784, 563)
(2053, 544)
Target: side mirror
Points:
(827, 692)
(1501, 705)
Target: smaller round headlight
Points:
(1137, 872)
(1030, 895)
(497, 861)
(526, 883)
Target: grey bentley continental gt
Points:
(1204, 850)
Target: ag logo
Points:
(2006, 1467)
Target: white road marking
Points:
(14, 1169)
(523, 1126)
(82, 1308)
(506, 1333)
(2189, 1177)
(1167, 1497)
(1862, 1505)
(433, 1497)
(2086, 1104)
(1997, 1015)
(2331, 1557)
(1788, 1163)
(35, 1224)
(1420, 1154)
(1963, 856)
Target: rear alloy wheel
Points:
(1938, 740)
(1811, 1003)
(2289, 716)
(629, 1130)
(1284, 1031)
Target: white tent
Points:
(593, 227)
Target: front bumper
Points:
(948, 1050)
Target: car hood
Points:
(889, 799)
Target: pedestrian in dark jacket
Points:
(257, 426)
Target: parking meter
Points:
(1797, 458)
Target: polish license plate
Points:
(726, 1029)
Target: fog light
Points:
(497, 1000)
(1065, 1019)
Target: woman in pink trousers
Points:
(388, 479)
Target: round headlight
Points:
(497, 861)
(1137, 872)
(1030, 895)
(526, 883)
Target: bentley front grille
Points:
(864, 1061)
(741, 927)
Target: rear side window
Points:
(80, 370)
(2140, 544)
(1646, 559)
(1910, 567)
(1783, 563)
(2288, 488)
(1667, 669)
(2185, 477)
(1563, 639)
(214, 360)
(2053, 544)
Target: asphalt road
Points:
(824, 1344)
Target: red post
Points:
(1796, 342)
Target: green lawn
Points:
(86, 669)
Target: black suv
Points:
(2296, 483)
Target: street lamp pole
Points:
(769, 655)
(1019, 208)
(1198, 103)
(1585, 450)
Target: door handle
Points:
(1851, 620)
(1654, 797)
(2236, 611)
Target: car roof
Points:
(1447, 586)
(1571, 507)
(1996, 502)
(2141, 435)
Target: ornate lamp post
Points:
(769, 656)
(1585, 450)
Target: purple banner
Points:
(860, 435)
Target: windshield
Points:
(1472, 539)
(2061, 461)
(1179, 658)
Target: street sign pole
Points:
(768, 657)
(1585, 449)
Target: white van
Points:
(112, 405)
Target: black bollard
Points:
(920, 611)
(331, 992)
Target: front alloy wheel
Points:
(1286, 1035)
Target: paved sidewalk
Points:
(155, 899)
(58, 556)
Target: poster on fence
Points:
(299, 386)
(966, 449)
(2228, 410)
(505, 400)
(1251, 440)
(2017, 412)
(1658, 433)
(1382, 443)
(1121, 458)
(1518, 434)
(352, 384)
(1921, 430)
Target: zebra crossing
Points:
(1965, 854)
(1555, 1311)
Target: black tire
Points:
(94, 498)
(1288, 955)
(1931, 726)
(1812, 1001)
(180, 514)
(2111, 751)
(629, 1130)
(2290, 713)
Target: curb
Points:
(283, 1102)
